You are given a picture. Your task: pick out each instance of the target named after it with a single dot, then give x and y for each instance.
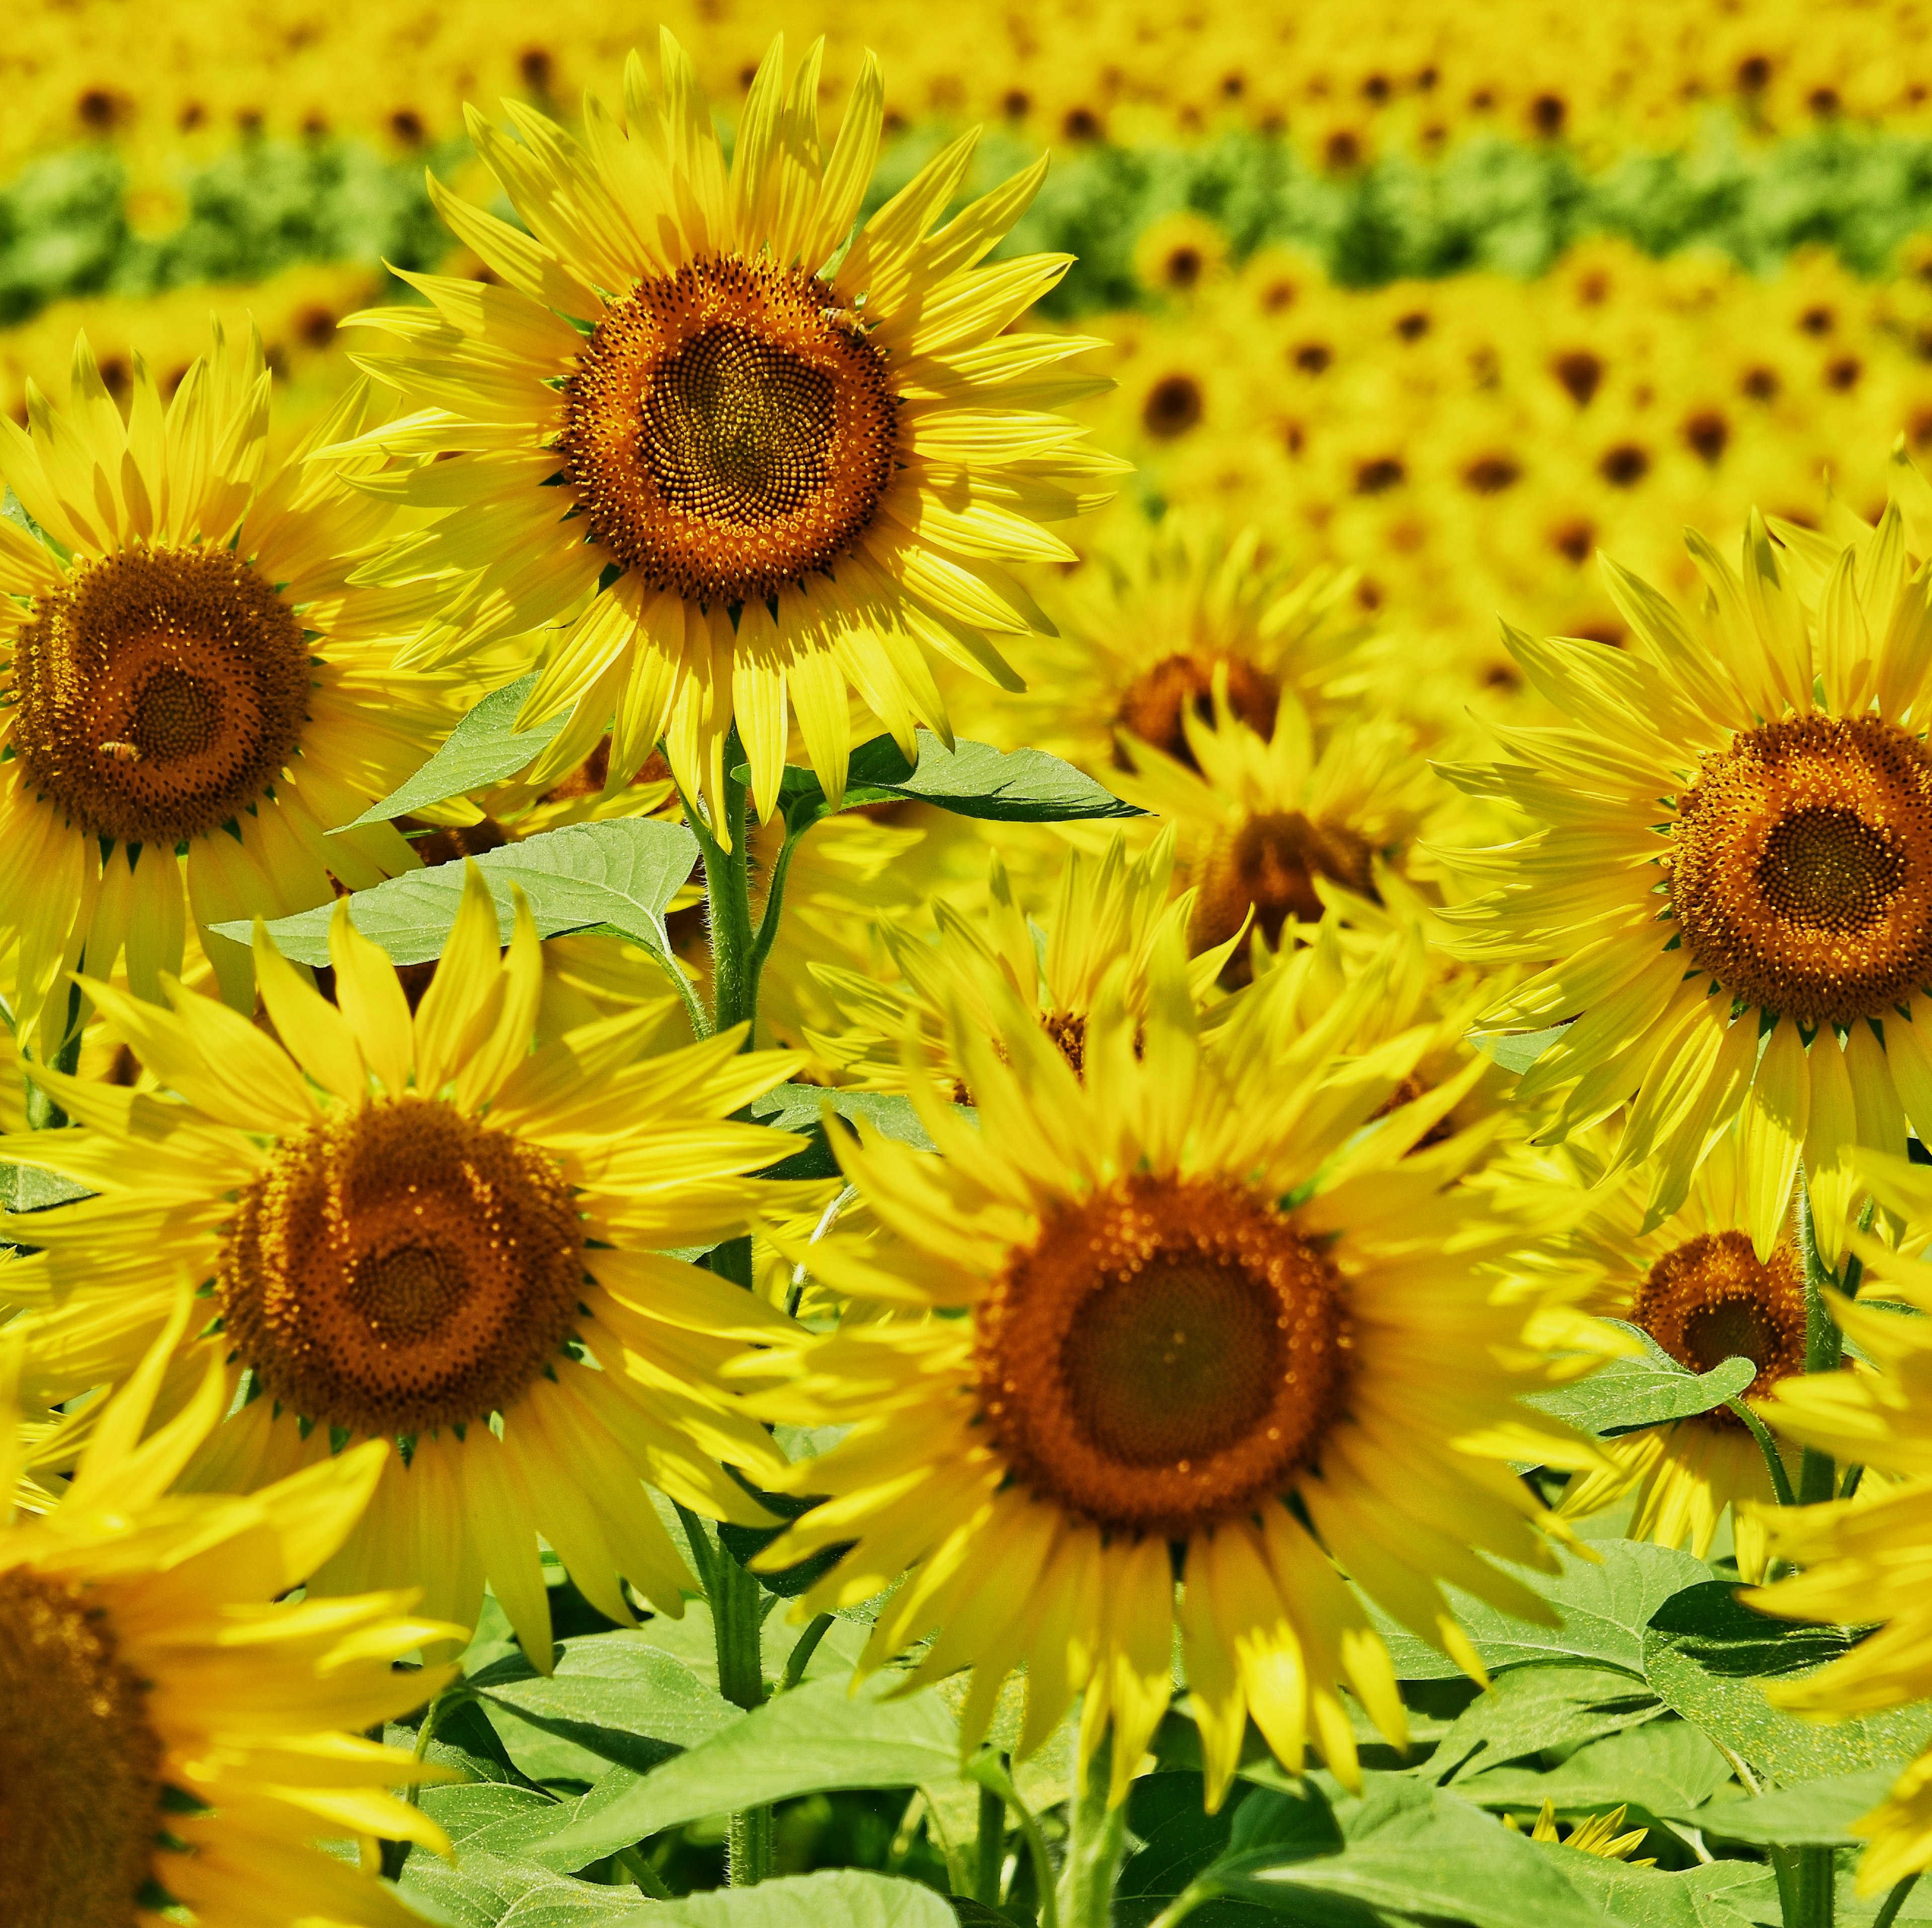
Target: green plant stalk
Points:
(1099, 1839)
(1894, 1901)
(807, 1644)
(989, 1851)
(631, 1861)
(1807, 1886)
(988, 1771)
(1824, 1348)
(1774, 1462)
(43, 1113)
(728, 891)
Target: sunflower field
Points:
(962, 965)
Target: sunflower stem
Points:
(737, 1621)
(1098, 1839)
(1824, 1349)
(1894, 1901)
(803, 1649)
(728, 890)
(43, 1113)
(990, 1772)
(989, 1851)
(1808, 1886)
(1774, 1462)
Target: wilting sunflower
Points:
(1263, 815)
(1869, 1559)
(415, 1228)
(190, 675)
(1200, 1315)
(1736, 841)
(1107, 909)
(749, 454)
(169, 1735)
(1721, 1277)
(1148, 620)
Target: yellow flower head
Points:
(750, 454)
(414, 1227)
(170, 1734)
(1596, 1834)
(190, 671)
(1733, 863)
(1193, 1299)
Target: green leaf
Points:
(1606, 1604)
(1709, 1656)
(1414, 1850)
(832, 1898)
(801, 1108)
(26, 1187)
(1646, 1897)
(530, 1834)
(484, 748)
(617, 876)
(1623, 1394)
(489, 1817)
(973, 780)
(1665, 1767)
(1516, 1051)
(1817, 1813)
(621, 1697)
(487, 1891)
(1548, 1704)
(818, 1737)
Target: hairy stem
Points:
(989, 1853)
(1807, 1886)
(1098, 1839)
(1824, 1349)
(800, 1658)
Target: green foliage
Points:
(847, 1897)
(1627, 1393)
(1544, 1704)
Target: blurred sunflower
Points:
(1866, 1559)
(418, 1230)
(1736, 840)
(750, 454)
(1721, 1277)
(190, 673)
(171, 1735)
(1107, 909)
(1199, 1314)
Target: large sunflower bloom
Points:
(1735, 840)
(189, 674)
(415, 1228)
(1721, 1277)
(1197, 1312)
(168, 1735)
(1869, 1559)
(750, 454)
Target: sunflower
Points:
(1267, 817)
(1721, 1277)
(1596, 1834)
(1198, 1315)
(747, 452)
(1733, 864)
(1107, 908)
(170, 1736)
(414, 1228)
(189, 674)
(1865, 1559)
(1147, 621)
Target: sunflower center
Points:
(1800, 867)
(80, 1762)
(402, 1269)
(1170, 1353)
(159, 693)
(727, 432)
(1710, 1299)
(1270, 863)
(1154, 705)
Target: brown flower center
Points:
(727, 432)
(401, 1268)
(1709, 1299)
(1154, 705)
(1171, 1353)
(159, 693)
(1271, 862)
(79, 1763)
(1801, 868)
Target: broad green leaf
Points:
(616, 1695)
(528, 1835)
(832, 1898)
(1623, 1394)
(973, 780)
(1414, 1850)
(487, 1891)
(1606, 1604)
(801, 1108)
(1181, 1843)
(484, 748)
(1516, 1050)
(489, 1817)
(818, 1738)
(1547, 1704)
(1646, 1897)
(1709, 1656)
(692, 1641)
(465, 1741)
(617, 876)
(24, 1188)
(1665, 1767)
(1817, 1813)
